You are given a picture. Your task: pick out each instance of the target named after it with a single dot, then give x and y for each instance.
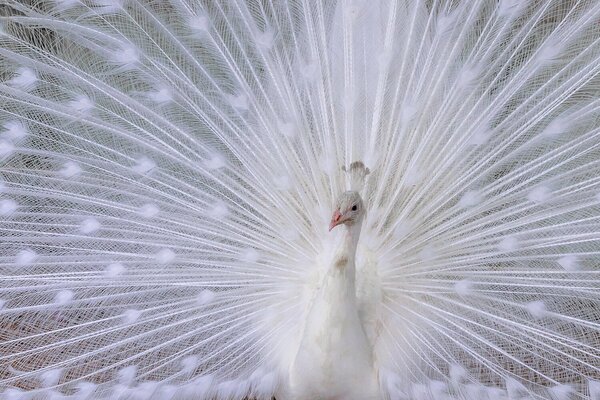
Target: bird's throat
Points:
(343, 266)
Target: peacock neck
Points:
(351, 236)
(334, 353)
(344, 267)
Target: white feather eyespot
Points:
(70, 169)
(125, 58)
(165, 256)
(239, 102)
(509, 243)
(199, 23)
(127, 375)
(536, 308)
(287, 129)
(540, 194)
(219, 210)
(265, 39)
(143, 165)
(131, 315)
(569, 262)
(215, 161)
(464, 287)
(206, 297)
(250, 255)
(8, 207)
(14, 131)
(471, 198)
(25, 257)
(148, 210)
(81, 104)
(63, 297)
(89, 226)
(24, 79)
(114, 269)
(161, 95)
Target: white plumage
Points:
(169, 170)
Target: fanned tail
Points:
(167, 168)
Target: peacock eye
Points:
(354, 207)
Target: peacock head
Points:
(349, 210)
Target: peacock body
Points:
(170, 172)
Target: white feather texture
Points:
(168, 170)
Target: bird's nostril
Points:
(336, 216)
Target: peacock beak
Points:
(335, 220)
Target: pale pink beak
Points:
(335, 220)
